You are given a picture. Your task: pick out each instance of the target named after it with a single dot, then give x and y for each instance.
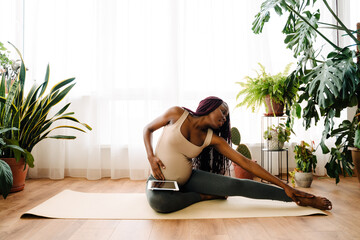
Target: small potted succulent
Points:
(276, 136)
(305, 164)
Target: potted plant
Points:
(244, 150)
(6, 177)
(271, 90)
(305, 164)
(29, 114)
(276, 136)
(351, 130)
(329, 82)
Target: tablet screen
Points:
(163, 185)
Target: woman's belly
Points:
(177, 168)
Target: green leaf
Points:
(46, 80)
(61, 84)
(264, 15)
(13, 107)
(304, 34)
(6, 178)
(2, 86)
(298, 110)
(9, 101)
(62, 137)
(62, 110)
(72, 127)
(332, 81)
(29, 158)
(4, 130)
(58, 98)
(65, 117)
(357, 138)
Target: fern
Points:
(255, 89)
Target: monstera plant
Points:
(329, 84)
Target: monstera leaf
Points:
(303, 36)
(279, 7)
(264, 15)
(333, 80)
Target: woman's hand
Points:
(294, 194)
(156, 166)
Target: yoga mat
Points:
(78, 205)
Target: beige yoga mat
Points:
(79, 205)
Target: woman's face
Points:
(218, 116)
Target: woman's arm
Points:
(223, 147)
(169, 116)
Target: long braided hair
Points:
(209, 159)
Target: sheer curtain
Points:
(133, 59)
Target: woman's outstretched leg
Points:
(219, 185)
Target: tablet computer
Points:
(163, 185)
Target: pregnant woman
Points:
(194, 150)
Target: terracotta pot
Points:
(277, 109)
(242, 173)
(303, 179)
(19, 174)
(355, 154)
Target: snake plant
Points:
(30, 113)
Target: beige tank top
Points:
(176, 152)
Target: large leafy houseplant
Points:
(256, 89)
(306, 162)
(305, 158)
(328, 84)
(30, 115)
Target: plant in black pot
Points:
(306, 162)
(30, 115)
(329, 81)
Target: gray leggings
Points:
(202, 182)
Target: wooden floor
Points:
(341, 223)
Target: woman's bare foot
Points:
(316, 202)
(210, 197)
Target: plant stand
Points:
(271, 156)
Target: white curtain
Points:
(133, 59)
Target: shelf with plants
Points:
(274, 154)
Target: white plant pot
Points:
(303, 179)
(274, 143)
